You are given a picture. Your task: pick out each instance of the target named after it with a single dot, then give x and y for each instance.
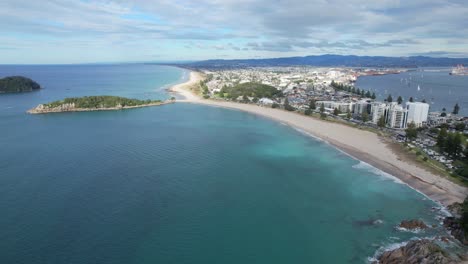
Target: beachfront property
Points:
(303, 84)
(417, 113)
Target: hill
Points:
(17, 84)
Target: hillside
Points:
(17, 84)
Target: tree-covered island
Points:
(94, 103)
(18, 84)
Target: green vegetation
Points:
(100, 102)
(287, 106)
(411, 131)
(450, 143)
(351, 89)
(381, 122)
(17, 84)
(251, 90)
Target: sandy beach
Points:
(363, 145)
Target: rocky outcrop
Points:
(413, 224)
(416, 252)
(453, 224)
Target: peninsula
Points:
(18, 84)
(94, 103)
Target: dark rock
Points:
(413, 224)
(456, 229)
(415, 252)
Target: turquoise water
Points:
(183, 183)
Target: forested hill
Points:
(17, 84)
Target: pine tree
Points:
(399, 100)
(365, 117)
(389, 98)
(381, 122)
(373, 96)
(348, 114)
(456, 109)
(322, 108)
(411, 99)
(368, 94)
(441, 138)
(423, 101)
(312, 105)
(411, 131)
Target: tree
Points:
(460, 126)
(312, 105)
(275, 105)
(336, 111)
(399, 100)
(411, 99)
(287, 106)
(348, 114)
(322, 108)
(368, 94)
(373, 96)
(381, 122)
(389, 98)
(441, 138)
(423, 101)
(308, 112)
(456, 108)
(245, 99)
(365, 117)
(358, 91)
(411, 131)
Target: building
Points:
(361, 106)
(417, 113)
(397, 116)
(378, 110)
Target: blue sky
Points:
(66, 31)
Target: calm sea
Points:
(181, 183)
(436, 86)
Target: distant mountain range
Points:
(334, 60)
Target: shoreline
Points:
(359, 144)
(34, 111)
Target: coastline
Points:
(360, 144)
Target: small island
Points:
(18, 84)
(95, 103)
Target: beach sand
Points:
(360, 144)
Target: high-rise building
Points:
(397, 116)
(378, 109)
(417, 113)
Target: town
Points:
(329, 93)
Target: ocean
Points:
(182, 183)
(436, 86)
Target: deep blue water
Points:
(436, 86)
(181, 183)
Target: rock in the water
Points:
(416, 252)
(413, 224)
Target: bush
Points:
(425, 158)
(308, 112)
(275, 105)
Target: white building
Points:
(378, 110)
(397, 116)
(417, 113)
(360, 107)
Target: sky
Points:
(86, 31)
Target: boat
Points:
(459, 70)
